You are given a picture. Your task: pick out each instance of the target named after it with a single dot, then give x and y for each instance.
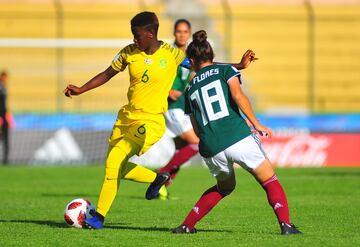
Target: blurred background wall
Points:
(308, 67)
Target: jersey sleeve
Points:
(188, 110)
(231, 72)
(178, 54)
(119, 62)
(186, 63)
(177, 85)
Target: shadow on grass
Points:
(120, 226)
(49, 223)
(137, 228)
(202, 230)
(157, 229)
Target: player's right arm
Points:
(118, 64)
(95, 82)
(175, 92)
(247, 58)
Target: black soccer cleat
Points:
(183, 229)
(153, 191)
(287, 229)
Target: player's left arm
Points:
(244, 104)
(194, 124)
(188, 111)
(247, 58)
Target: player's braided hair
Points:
(147, 20)
(200, 49)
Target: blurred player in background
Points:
(152, 67)
(186, 141)
(4, 116)
(179, 124)
(213, 98)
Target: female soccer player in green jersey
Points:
(177, 122)
(213, 99)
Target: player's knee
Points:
(225, 191)
(111, 175)
(116, 157)
(190, 137)
(226, 188)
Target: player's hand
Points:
(71, 90)
(263, 130)
(251, 126)
(174, 94)
(248, 57)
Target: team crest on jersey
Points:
(148, 61)
(163, 63)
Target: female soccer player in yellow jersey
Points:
(152, 67)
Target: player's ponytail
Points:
(200, 37)
(200, 49)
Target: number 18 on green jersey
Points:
(208, 99)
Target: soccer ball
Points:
(77, 211)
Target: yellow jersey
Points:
(151, 76)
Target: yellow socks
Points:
(108, 191)
(137, 173)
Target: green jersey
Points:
(180, 82)
(208, 99)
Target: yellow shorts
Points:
(142, 128)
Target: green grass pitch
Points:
(324, 203)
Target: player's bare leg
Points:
(265, 175)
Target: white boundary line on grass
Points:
(65, 43)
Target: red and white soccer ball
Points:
(77, 211)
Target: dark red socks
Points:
(277, 199)
(179, 158)
(275, 194)
(208, 200)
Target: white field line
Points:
(65, 43)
